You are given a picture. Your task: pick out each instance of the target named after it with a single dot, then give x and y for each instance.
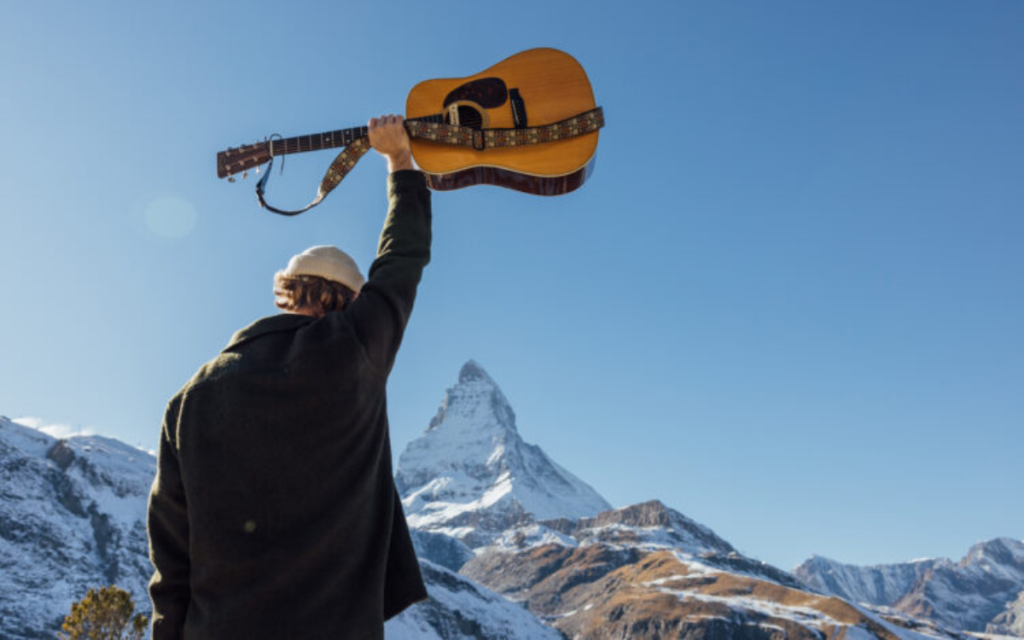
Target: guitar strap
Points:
(342, 164)
(479, 139)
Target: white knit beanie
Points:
(330, 263)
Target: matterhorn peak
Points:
(476, 399)
(470, 475)
(472, 371)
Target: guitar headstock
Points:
(232, 161)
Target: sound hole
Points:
(468, 117)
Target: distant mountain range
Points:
(983, 591)
(511, 544)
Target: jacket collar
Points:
(269, 324)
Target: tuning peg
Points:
(257, 171)
(231, 178)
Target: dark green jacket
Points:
(274, 512)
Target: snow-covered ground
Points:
(459, 608)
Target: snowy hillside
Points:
(460, 608)
(72, 517)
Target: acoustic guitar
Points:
(528, 123)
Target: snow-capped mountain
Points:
(72, 517)
(471, 476)
(982, 592)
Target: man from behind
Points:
(274, 512)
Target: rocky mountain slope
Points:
(640, 572)
(1011, 621)
(983, 591)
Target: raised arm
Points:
(381, 310)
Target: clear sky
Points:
(788, 303)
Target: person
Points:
(274, 511)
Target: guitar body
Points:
(530, 122)
(532, 88)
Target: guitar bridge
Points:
(518, 109)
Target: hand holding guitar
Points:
(389, 137)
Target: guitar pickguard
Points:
(489, 93)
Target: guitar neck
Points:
(330, 139)
(232, 161)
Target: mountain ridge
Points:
(983, 591)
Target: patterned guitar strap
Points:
(479, 139)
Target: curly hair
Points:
(312, 293)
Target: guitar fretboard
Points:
(330, 139)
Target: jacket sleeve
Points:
(167, 526)
(381, 311)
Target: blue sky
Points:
(788, 303)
